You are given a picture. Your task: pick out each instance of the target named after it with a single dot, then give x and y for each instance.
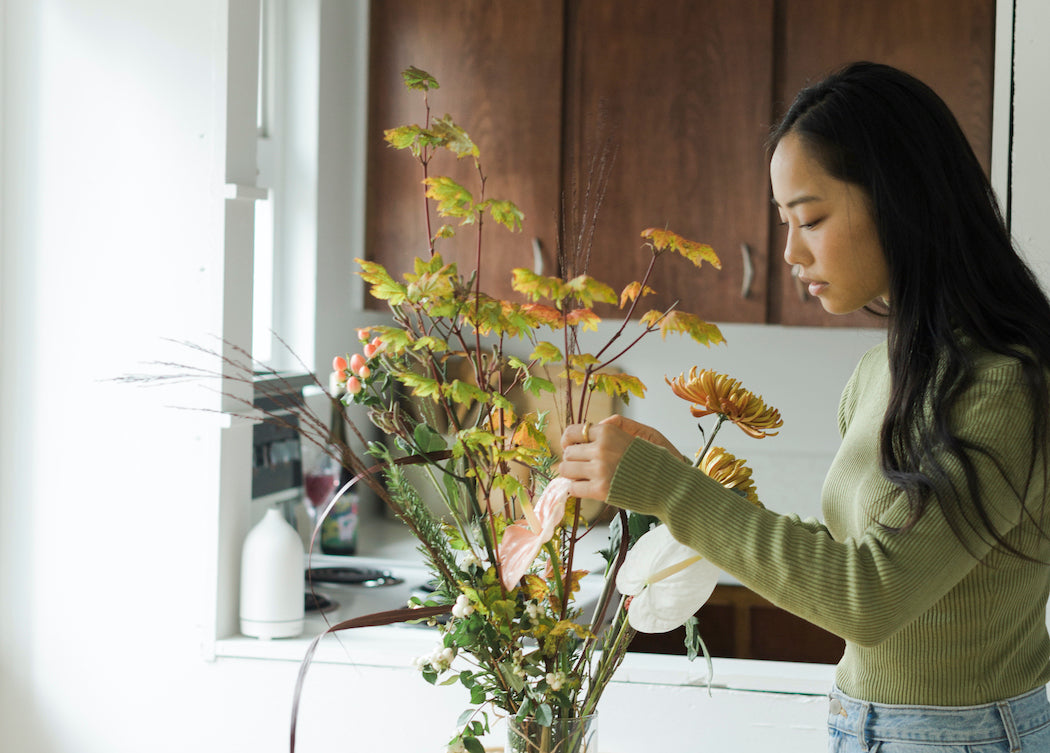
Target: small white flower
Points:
(456, 746)
(532, 611)
(462, 608)
(556, 680)
(470, 560)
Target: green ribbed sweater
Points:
(925, 622)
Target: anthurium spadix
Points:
(667, 581)
(522, 541)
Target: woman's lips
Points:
(816, 287)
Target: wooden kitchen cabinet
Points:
(685, 90)
(499, 66)
(949, 44)
(739, 624)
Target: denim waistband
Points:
(960, 725)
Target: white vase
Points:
(272, 579)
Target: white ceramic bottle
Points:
(272, 579)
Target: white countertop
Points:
(383, 544)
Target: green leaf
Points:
(420, 385)
(588, 290)
(453, 138)
(418, 79)
(452, 198)
(430, 344)
(702, 332)
(545, 352)
(383, 286)
(544, 715)
(510, 676)
(504, 212)
(465, 393)
(427, 439)
(403, 137)
(692, 638)
(473, 745)
(638, 525)
(537, 286)
(465, 717)
(535, 385)
(618, 385)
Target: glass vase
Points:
(571, 735)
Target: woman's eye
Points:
(809, 225)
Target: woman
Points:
(934, 561)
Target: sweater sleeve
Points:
(862, 588)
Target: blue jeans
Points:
(1016, 724)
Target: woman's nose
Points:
(794, 249)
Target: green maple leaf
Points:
(618, 385)
(546, 352)
(504, 212)
(412, 137)
(430, 344)
(465, 393)
(402, 137)
(449, 135)
(418, 79)
(395, 340)
(535, 385)
(702, 332)
(421, 386)
(383, 286)
(452, 198)
(588, 290)
(695, 252)
(537, 286)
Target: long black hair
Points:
(956, 281)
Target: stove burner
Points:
(318, 603)
(353, 576)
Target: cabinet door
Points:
(949, 44)
(682, 90)
(499, 66)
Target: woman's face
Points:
(831, 234)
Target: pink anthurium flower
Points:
(667, 580)
(522, 541)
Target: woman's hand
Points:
(591, 453)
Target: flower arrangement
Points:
(504, 553)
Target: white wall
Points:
(112, 130)
(1031, 149)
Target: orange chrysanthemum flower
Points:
(731, 473)
(711, 392)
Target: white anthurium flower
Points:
(667, 580)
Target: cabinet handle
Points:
(537, 256)
(749, 271)
(800, 287)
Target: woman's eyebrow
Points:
(797, 201)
